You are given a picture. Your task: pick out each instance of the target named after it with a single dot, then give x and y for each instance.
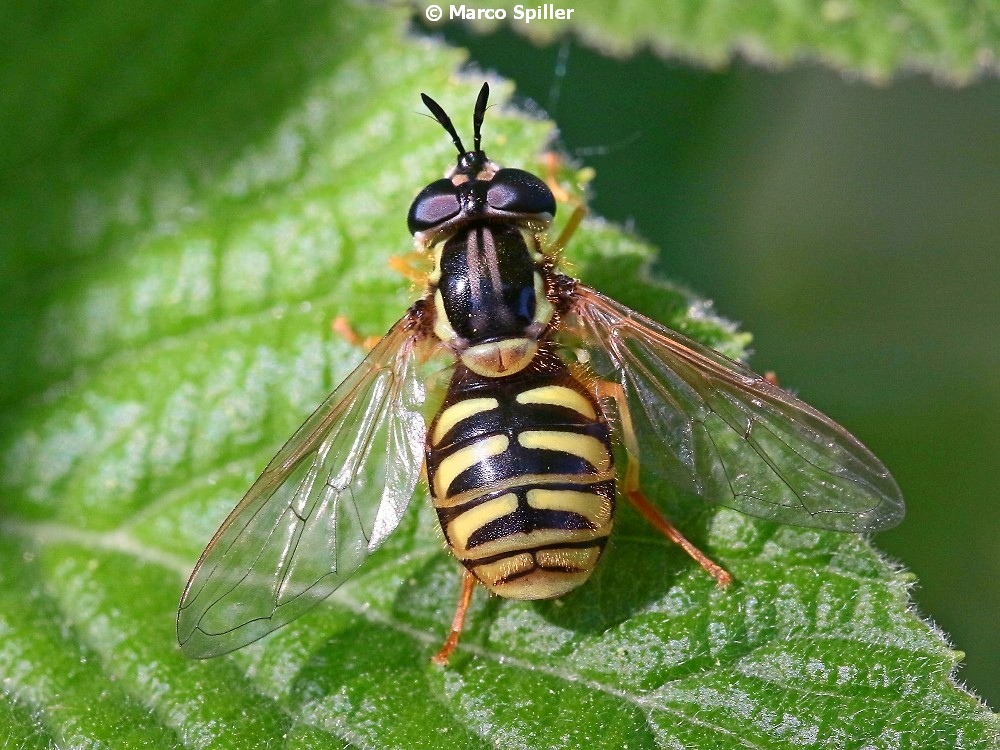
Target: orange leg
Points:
(635, 495)
(552, 164)
(468, 586)
(406, 266)
(661, 524)
(342, 327)
(412, 266)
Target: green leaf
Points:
(183, 217)
(868, 38)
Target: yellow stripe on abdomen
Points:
(465, 458)
(529, 541)
(558, 395)
(512, 483)
(590, 505)
(588, 448)
(460, 412)
(471, 520)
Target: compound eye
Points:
(520, 192)
(435, 204)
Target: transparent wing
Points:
(711, 427)
(323, 504)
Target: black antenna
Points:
(442, 117)
(477, 114)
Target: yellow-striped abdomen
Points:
(522, 477)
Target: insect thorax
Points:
(491, 301)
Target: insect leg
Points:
(343, 328)
(409, 266)
(555, 248)
(552, 164)
(468, 586)
(632, 491)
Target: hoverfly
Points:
(518, 457)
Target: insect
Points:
(519, 456)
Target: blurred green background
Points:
(855, 231)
